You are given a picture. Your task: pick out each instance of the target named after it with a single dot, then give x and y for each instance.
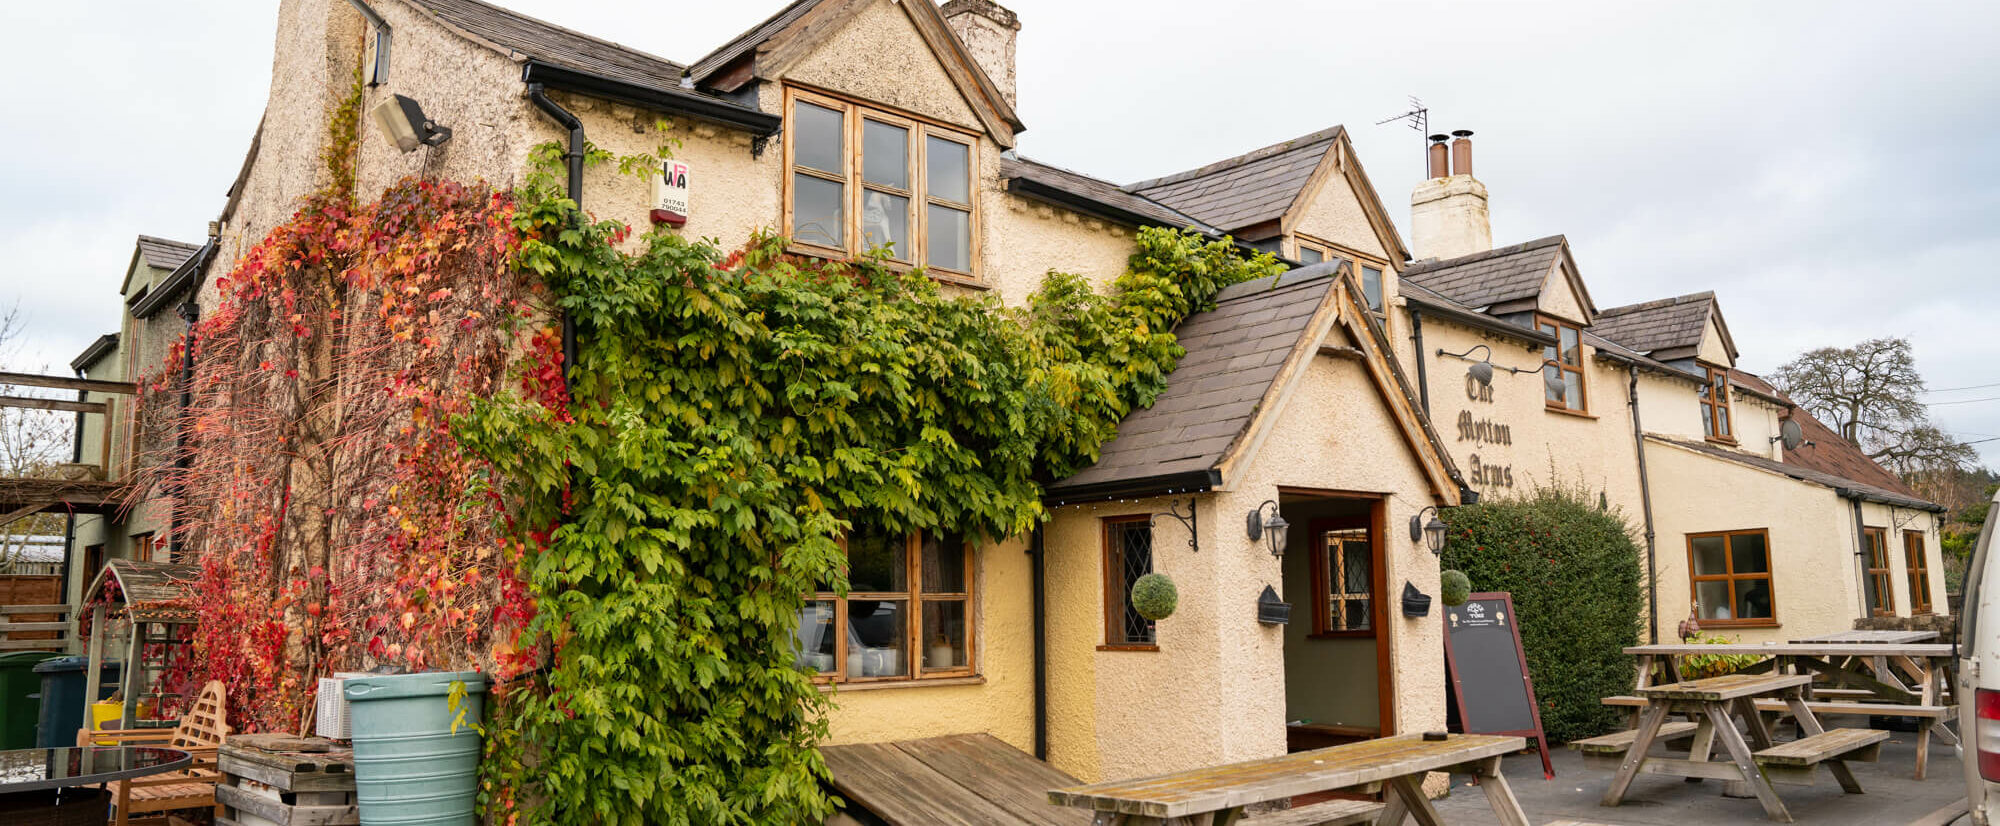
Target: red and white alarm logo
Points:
(670, 194)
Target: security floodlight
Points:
(402, 121)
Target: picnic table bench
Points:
(1218, 795)
(1877, 678)
(1710, 702)
(1886, 637)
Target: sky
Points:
(1830, 169)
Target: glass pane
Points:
(1713, 598)
(1355, 617)
(1710, 556)
(1573, 389)
(1572, 354)
(875, 563)
(1308, 255)
(1135, 559)
(1747, 552)
(818, 211)
(1707, 421)
(1753, 599)
(1354, 563)
(813, 639)
(950, 239)
(948, 165)
(817, 138)
(943, 564)
(1371, 285)
(944, 635)
(885, 221)
(885, 154)
(877, 636)
(1722, 422)
(1553, 386)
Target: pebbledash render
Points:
(1337, 395)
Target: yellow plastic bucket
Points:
(102, 713)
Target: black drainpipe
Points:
(1646, 506)
(190, 312)
(1039, 585)
(1417, 337)
(1861, 556)
(574, 158)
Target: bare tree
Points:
(32, 443)
(1871, 393)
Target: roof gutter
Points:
(1481, 321)
(673, 101)
(1193, 481)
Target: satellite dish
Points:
(1791, 434)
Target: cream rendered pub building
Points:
(1325, 396)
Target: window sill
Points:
(1129, 647)
(882, 685)
(1751, 623)
(1724, 442)
(843, 257)
(1581, 414)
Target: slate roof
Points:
(1664, 324)
(164, 254)
(1099, 191)
(1497, 276)
(1619, 352)
(1234, 353)
(1825, 450)
(534, 39)
(749, 40)
(1248, 189)
(1872, 493)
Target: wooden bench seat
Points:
(1794, 762)
(1329, 813)
(1823, 707)
(1618, 742)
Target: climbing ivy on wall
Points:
(733, 416)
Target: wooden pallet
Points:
(283, 780)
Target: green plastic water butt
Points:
(410, 767)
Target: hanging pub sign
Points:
(670, 194)
(1490, 688)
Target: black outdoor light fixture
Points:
(403, 122)
(1273, 529)
(1482, 368)
(1431, 532)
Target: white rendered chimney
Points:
(1448, 215)
(988, 31)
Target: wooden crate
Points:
(284, 780)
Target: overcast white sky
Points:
(1828, 168)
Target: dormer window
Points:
(860, 179)
(1313, 252)
(1715, 423)
(1562, 365)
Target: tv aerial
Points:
(1419, 119)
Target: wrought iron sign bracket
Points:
(1188, 520)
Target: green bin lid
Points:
(26, 657)
(426, 684)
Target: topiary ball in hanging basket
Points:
(1456, 586)
(1155, 597)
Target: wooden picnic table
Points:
(1889, 637)
(1711, 701)
(1904, 679)
(1216, 796)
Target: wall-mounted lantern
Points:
(1271, 610)
(1273, 529)
(1431, 532)
(1482, 369)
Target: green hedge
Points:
(1574, 571)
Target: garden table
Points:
(43, 786)
(1891, 637)
(1711, 701)
(1217, 796)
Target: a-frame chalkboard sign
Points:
(1489, 675)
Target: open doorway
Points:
(1338, 684)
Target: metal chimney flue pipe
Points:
(1461, 152)
(1440, 163)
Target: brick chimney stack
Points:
(1448, 213)
(988, 31)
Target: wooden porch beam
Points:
(52, 404)
(123, 388)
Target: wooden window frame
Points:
(913, 627)
(1330, 250)
(1582, 375)
(1115, 589)
(1769, 575)
(1917, 569)
(1322, 590)
(1716, 410)
(853, 115)
(1880, 584)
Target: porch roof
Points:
(149, 591)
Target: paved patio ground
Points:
(1892, 796)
